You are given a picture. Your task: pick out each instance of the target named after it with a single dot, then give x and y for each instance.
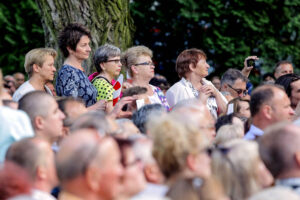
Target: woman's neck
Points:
(106, 75)
(195, 80)
(74, 62)
(37, 82)
(140, 81)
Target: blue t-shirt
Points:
(73, 82)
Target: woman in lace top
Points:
(192, 68)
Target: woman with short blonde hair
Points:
(140, 68)
(179, 148)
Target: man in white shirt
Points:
(14, 124)
(39, 65)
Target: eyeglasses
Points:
(239, 91)
(145, 63)
(116, 61)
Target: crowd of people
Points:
(77, 137)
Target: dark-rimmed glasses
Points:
(145, 63)
(116, 61)
(239, 91)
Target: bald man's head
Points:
(278, 147)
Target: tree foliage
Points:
(21, 30)
(227, 30)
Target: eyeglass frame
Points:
(239, 91)
(116, 61)
(145, 64)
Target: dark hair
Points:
(282, 62)
(231, 75)
(223, 120)
(141, 116)
(70, 36)
(136, 90)
(261, 95)
(62, 102)
(268, 75)
(122, 144)
(187, 57)
(103, 53)
(286, 81)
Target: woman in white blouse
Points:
(192, 68)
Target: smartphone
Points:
(251, 63)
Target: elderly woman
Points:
(192, 68)
(139, 65)
(74, 42)
(241, 175)
(108, 66)
(179, 148)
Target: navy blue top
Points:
(73, 82)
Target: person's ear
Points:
(35, 68)
(38, 122)
(134, 69)
(267, 111)
(71, 51)
(297, 158)
(191, 162)
(192, 67)
(41, 173)
(92, 179)
(102, 66)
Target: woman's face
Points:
(201, 68)
(83, 48)
(244, 109)
(144, 67)
(133, 179)
(112, 66)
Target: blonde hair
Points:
(37, 56)
(235, 167)
(130, 56)
(229, 132)
(173, 140)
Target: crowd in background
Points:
(67, 135)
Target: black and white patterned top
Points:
(73, 82)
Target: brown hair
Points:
(187, 57)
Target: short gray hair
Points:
(28, 154)
(103, 53)
(35, 104)
(231, 75)
(93, 120)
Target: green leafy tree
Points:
(227, 30)
(21, 30)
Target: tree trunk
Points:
(108, 20)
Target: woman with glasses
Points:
(108, 66)
(74, 42)
(238, 166)
(139, 65)
(192, 68)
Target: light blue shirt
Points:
(253, 133)
(14, 125)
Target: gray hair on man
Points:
(35, 104)
(231, 75)
(92, 120)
